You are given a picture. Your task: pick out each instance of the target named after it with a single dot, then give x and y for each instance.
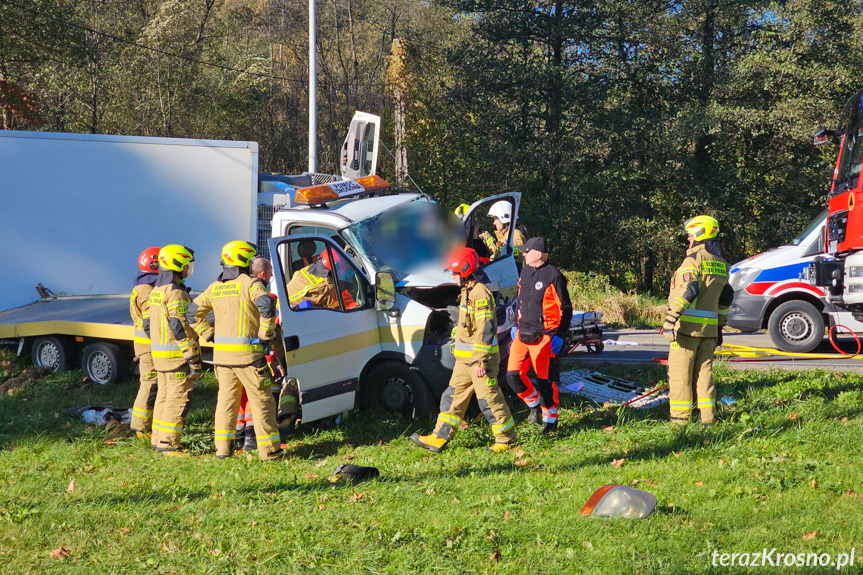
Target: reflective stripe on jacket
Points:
(476, 331)
(314, 284)
(244, 314)
(173, 342)
(697, 287)
(139, 309)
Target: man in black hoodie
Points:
(543, 312)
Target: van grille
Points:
(265, 229)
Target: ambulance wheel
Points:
(596, 347)
(396, 387)
(103, 363)
(796, 326)
(51, 352)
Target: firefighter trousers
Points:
(454, 402)
(690, 378)
(256, 381)
(145, 401)
(172, 402)
(545, 394)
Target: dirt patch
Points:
(27, 378)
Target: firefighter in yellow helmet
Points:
(476, 362)
(174, 347)
(502, 213)
(242, 329)
(698, 305)
(139, 309)
(313, 286)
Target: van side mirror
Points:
(825, 135)
(385, 291)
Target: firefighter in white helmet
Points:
(502, 213)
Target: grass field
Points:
(781, 469)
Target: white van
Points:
(769, 293)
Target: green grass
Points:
(784, 461)
(594, 292)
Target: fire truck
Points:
(840, 270)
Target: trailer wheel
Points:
(796, 326)
(51, 352)
(103, 363)
(396, 387)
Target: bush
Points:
(594, 292)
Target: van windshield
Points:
(407, 238)
(808, 229)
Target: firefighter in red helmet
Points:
(476, 362)
(139, 309)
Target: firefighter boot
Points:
(251, 441)
(535, 416)
(499, 447)
(549, 428)
(431, 442)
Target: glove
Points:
(268, 347)
(210, 336)
(719, 339)
(556, 344)
(513, 332)
(195, 370)
(668, 332)
(305, 304)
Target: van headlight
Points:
(743, 277)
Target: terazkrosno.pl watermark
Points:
(774, 558)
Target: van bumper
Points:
(747, 311)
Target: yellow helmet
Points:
(461, 210)
(701, 228)
(175, 257)
(239, 253)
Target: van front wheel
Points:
(796, 326)
(396, 387)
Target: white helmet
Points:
(501, 210)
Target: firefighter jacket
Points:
(500, 243)
(244, 318)
(172, 340)
(476, 331)
(700, 296)
(139, 309)
(314, 284)
(543, 305)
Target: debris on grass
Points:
(28, 377)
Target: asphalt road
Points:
(651, 344)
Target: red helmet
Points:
(324, 258)
(463, 261)
(148, 261)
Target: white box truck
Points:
(80, 208)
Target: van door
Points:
(360, 151)
(503, 271)
(329, 322)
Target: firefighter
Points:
(174, 347)
(543, 312)
(244, 323)
(476, 364)
(698, 305)
(314, 284)
(502, 213)
(139, 308)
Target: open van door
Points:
(328, 340)
(359, 156)
(503, 271)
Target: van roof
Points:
(356, 209)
